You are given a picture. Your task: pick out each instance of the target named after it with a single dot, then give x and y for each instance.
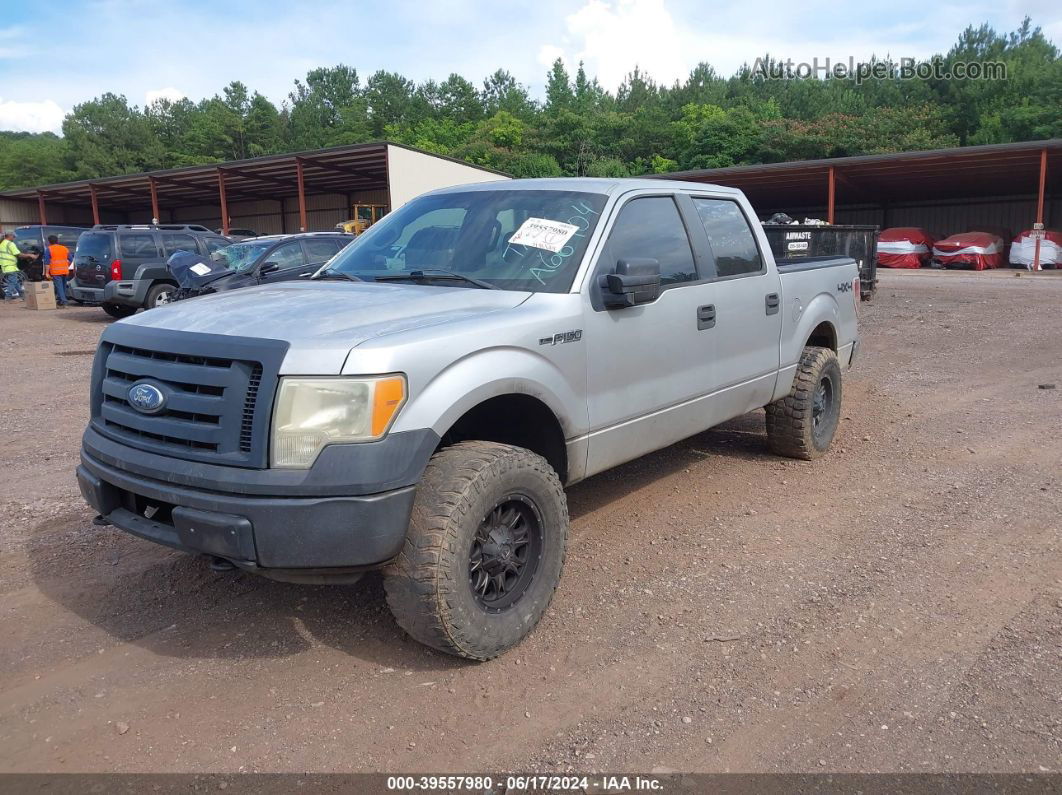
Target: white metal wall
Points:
(16, 212)
(412, 173)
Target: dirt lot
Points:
(894, 606)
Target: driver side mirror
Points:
(636, 281)
(268, 267)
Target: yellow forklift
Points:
(364, 216)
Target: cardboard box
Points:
(40, 295)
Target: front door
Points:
(287, 257)
(648, 365)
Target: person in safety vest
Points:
(9, 256)
(58, 268)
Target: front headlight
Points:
(314, 412)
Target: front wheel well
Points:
(823, 335)
(520, 420)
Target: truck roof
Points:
(590, 185)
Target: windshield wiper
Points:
(436, 273)
(332, 273)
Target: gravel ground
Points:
(895, 606)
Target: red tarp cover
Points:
(979, 250)
(1024, 249)
(904, 247)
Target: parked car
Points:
(975, 250)
(237, 233)
(122, 267)
(34, 238)
(263, 260)
(419, 404)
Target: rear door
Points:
(93, 257)
(135, 247)
(172, 242)
(747, 297)
(321, 249)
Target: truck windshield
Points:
(241, 257)
(513, 239)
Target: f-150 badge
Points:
(564, 336)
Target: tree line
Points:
(579, 128)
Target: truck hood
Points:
(323, 321)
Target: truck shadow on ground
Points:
(173, 605)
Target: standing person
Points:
(58, 268)
(9, 256)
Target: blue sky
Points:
(194, 48)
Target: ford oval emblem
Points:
(146, 398)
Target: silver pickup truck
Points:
(421, 402)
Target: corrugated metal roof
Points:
(961, 172)
(339, 169)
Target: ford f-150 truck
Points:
(421, 402)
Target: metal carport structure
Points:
(947, 190)
(381, 173)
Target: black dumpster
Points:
(791, 241)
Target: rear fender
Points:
(802, 320)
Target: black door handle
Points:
(773, 303)
(705, 317)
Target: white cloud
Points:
(617, 36)
(614, 37)
(668, 38)
(549, 53)
(33, 117)
(169, 93)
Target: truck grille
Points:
(215, 406)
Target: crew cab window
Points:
(321, 249)
(174, 242)
(733, 245)
(215, 243)
(288, 255)
(652, 228)
(138, 246)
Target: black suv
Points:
(273, 258)
(123, 267)
(34, 239)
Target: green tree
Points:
(28, 159)
(559, 93)
(106, 136)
